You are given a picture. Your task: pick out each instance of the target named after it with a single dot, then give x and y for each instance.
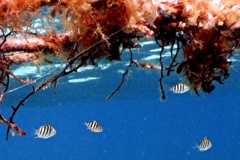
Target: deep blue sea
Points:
(137, 124)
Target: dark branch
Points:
(174, 58)
(44, 84)
(161, 71)
(131, 61)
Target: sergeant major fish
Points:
(204, 144)
(45, 132)
(180, 88)
(93, 126)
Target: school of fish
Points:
(47, 131)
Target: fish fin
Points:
(35, 133)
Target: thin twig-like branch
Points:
(161, 77)
(131, 61)
(50, 80)
(4, 67)
(174, 58)
(161, 71)
(13, 75)
(4, 36)
(172, 45)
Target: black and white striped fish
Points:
(204, 144)
(180, 88)
(93, 126)
(45, 132)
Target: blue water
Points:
(137, 124)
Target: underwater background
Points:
(137, 124)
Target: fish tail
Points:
(36, 131)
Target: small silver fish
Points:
(204, 144)
(45, 132)
(93, 126)
(180, 88)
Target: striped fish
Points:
(45, 132)
(180, 88)
(93, 126)
(204, 144)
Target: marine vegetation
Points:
(78, 33)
